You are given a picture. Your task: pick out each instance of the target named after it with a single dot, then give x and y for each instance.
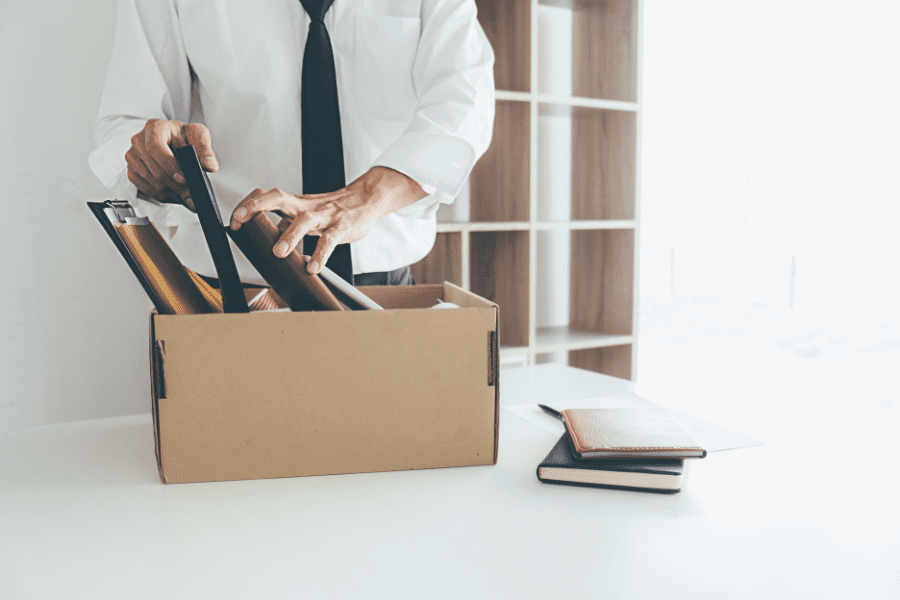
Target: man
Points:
(415, 98)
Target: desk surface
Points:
(83, 515)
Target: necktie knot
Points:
(316, 9)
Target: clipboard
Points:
(197, 182)
(173, 288)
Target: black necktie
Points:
(323, 149)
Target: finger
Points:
(157, 137)
(283, 224)
(170, 196)
(138, 159)
(137, 166)
(327, 243)
(240, 214)
(149, 187)
(186, 198)
(198, 136)
(293, 235)
(163, 179)
(173, 190)
(143, 186)
(272, 200)
(324, 196)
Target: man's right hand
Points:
(152, 167)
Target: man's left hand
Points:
(346, 215)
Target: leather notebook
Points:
(629, 433)
(233, 298)
(173, 288)
(561, 466)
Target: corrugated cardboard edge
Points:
(156, 376)
(493, 354)
(495, 369)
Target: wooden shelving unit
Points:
(524, 216)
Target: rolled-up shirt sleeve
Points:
(148, 78)
(453, 121)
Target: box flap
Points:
(457, 295)
(404, 296)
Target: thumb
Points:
(198, 136)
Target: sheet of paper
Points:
(711, 437)
(715, 438)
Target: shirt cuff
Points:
(425, 208)
(107, 161)
(438, 163)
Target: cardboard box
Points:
(284, 394)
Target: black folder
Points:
(214, 229)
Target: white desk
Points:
(84, 515)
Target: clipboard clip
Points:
(120, 211)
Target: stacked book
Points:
(622, 448)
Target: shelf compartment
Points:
(602, 275)
(591, 307)
(586, 164)
(604, 49)
(617, 361)
(588, 49)
(499, 272)
(507, 25)
(604, 172)
(443, 263)
(500, 180)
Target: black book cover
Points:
(561, 466)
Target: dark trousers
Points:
(401, 276)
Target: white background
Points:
(73, 321)
(770, 199)
(770, 132)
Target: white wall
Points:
(73, 320)
(770, 137)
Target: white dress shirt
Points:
(415, 86)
